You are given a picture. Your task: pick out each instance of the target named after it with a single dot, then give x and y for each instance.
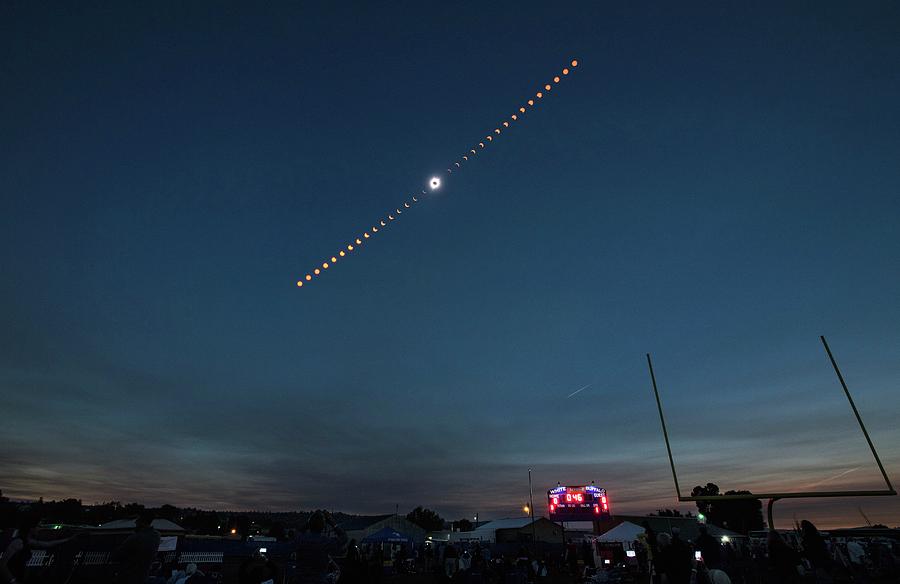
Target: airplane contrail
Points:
(579, 389)
(837, 476)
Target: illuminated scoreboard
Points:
(587, 503)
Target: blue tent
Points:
(386, 535)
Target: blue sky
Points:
(715, 185)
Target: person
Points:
(156, 574)
(429, 556)
(15, 556)
(680, 559)
(572, 557)
(856, 554)
(651, 552)
(136, 554)
(451, 560)
(354, 565)
(709, 549)
(662, 558)
(191, 575)
(315, 549)
(17, 553)
(465, 561)
(783, 560)
(815, 552)
(257, 569)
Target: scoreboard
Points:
(584, 503)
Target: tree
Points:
(711, 489)
(741, 515)
(426, 519)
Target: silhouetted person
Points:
(451, 560)
(192, 575)
(815, 551)
(354, 566)
(257, 569)
(709, 548)
(662, 557)
(679, 560)
(783, 560)
(314, 549)
(15, 557)
(136, 554)
(17, 553)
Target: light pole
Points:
(531, 508)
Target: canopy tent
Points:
(386, 535)
(626, 532)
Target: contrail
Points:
(580, 389)
(837, 476)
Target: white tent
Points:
(625, 532)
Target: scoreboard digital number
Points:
(585, 503)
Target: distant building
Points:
(360, 527)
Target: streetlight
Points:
(526, 509)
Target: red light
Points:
(552, 508)
(603, 498)
(605, 507)
(596, 509)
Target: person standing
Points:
(783, 560)
(815, 551)
(136, 554)
(315, 549)
(451, 560)
(709, 549)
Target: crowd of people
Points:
(808, 558)
(322, 554)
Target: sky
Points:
(716, 185)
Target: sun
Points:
(434, 183)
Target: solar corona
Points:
(435, 182)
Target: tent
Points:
(626, 532)
(386, 535)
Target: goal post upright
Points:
(772, 497)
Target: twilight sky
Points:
(716, 185)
